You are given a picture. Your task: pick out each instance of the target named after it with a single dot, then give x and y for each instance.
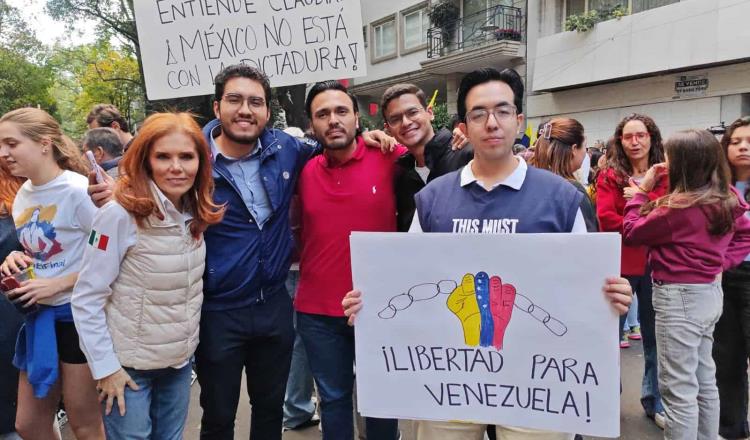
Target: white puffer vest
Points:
(155, 306)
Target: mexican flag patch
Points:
(98, 240)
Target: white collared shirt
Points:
(100, 270)
(514, 180)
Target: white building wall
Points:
(677, 36)
(374, 10)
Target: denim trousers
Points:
(298, 404)
(330, 342)
(650, 396)
(685, 318)
(257, 339)
(158, 410)
(731, 352)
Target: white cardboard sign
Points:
(185, 43)
(497, 329)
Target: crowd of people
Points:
(226, 249)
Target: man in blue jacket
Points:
(247, 313)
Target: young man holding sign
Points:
(496, 190)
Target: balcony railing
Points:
(494, 24)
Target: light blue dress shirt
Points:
(245, 173)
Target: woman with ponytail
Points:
(560, 149)
(52, 214)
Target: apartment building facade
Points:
(405, 45)
(685, 63)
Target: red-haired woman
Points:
(138, 299)
(9, 316)
(637, 147)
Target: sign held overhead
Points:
(185, 43)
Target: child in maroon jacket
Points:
(693, 233)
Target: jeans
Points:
(298, 404)
(731, 352)
(258, 339)
(631, 318)
(650, 396)
(332, 341)
(158, 410)
(685, 318)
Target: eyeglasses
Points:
(501, 113)
(235, 100)
(397, 119)
(641, 135)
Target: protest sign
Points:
(499, 329)
(185, 43)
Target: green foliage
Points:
(23, 83)
(585, 21)
(92, 74)
(367, 122)
(442, 117)
(25, 79)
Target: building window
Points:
(580, 6)
(416, 24)
(384, 39)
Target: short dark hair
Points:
(241, 71)
(324, 86)
(485, 75)
(106, 138)
(105, 115)
(398, 90)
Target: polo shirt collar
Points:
(514, 181)
(359, 153)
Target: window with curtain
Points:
(384, 39)
(416, 24)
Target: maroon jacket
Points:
(680, 248)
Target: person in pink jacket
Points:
(693, 233)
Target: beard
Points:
(339, 143)
(240, 138)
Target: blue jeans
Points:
(158, 410)
(298, 404)
(332, 341)
(631, 318)
(650, 395)
(685, 318)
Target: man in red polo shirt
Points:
(347, 188)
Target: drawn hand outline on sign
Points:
(483, 305)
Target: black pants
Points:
(731, 349)
(258, 338)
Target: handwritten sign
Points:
(493, 329)
(185, 43)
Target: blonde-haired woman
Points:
(53, 215)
